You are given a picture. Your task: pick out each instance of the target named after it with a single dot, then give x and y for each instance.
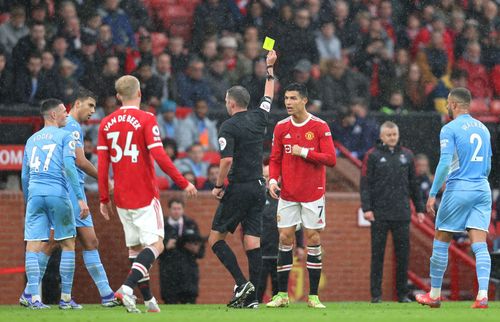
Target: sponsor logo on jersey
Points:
(444, 143)
(75, 135)
(309, 136)
(222, 143)
(320, 221)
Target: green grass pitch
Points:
(335, 312)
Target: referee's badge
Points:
(309, 136)
(222, 143)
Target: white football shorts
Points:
(311, 215)
(142, 226)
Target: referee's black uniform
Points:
(241, 137)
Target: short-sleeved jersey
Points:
(302, 180)
(75, 129)
(128, 134)
(44, 155)
(468, 140)
(242, 138)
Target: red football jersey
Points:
(130, 138)
(302, 179)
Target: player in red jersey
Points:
(302, 147)
(130, 139)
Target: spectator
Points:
(61, 51)
(406, 35)
(72, 32)
(469, 34)
(32, 86)
(49, 64)
(197, 127)
(92, 23)
(255, 82)
(211, 17)
(117, 19)
(244, 63)
(314, 8)
(91, 62)
(340, 84)
(343, 24)
(193, 85)
(414, 89)
(193, 162)
(14, 29)
(388, 181)
(395, 104)
(478, 82)
(133, 58)
(39, 14)
(329, 46)
(208, 49)
(301, 74)
(167, 122)
(373, 58)
(110, 73)
(66, 86)
(357, 134)
(6, 80)
(151, 88)
(424, 175)
(385, 15)
(218, 81)
(189, 175)
(179, 272)
(432, 60)
(437, 98)
(425, 37)
(228, 47)
(137, 15)
(178, 54)
(35, 41)
(401, 66)
(282, 23)
(298, 43)
(170, 147)
(212, 175)
(105, 45)
(163, 69)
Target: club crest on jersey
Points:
(222, 143)
(309, 136)
(403, 159)
(72, 145)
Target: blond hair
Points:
(127, 87)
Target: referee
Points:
(241, 141)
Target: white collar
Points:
(309, 116)
(129, 107)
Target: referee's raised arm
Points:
(270, 60)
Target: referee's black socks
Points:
(228, 259)
(254, 266)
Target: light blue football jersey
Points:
(75, 129)
(44, 155)
(468, 140)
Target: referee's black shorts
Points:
(243, 203)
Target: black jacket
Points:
(388, 182)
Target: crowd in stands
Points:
(354, 56)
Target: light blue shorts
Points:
(44, 212)
(462, 210)
(87, 222)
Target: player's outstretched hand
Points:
(84, 209)
(271, 58)
(106, 209)
(430, 206)
(274, 190)
(191, 190)
(369, 216)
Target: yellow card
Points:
(268, 43)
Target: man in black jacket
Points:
(179, 272)
(388, 181)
